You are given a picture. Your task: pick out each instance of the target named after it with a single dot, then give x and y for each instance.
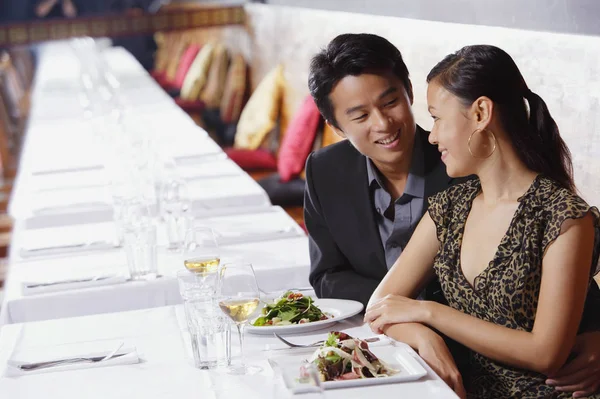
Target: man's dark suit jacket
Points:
(346, 253)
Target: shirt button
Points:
(378, 210)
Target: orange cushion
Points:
(184, 65)
(298, 140)
(234, 90)
(252, 159)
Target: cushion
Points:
(190, 106)
(196, 75)
(234, 90)
(252, 159)
(185, 63)
(161, 55)
(298, 140)
(261, 112)
(174, 55)
(280, 193)
(213, 91)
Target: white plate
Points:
(340, 309)
(396, 357)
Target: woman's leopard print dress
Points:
(506, 292)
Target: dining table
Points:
(163, 367)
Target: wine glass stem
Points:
(240, 328)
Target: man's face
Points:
(374, 114)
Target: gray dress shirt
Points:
(397, 220)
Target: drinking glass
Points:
(201, 251)
(238, 298)
(176, 211)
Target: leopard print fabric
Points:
(506, 292)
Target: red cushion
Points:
(159, 76)
(298, 140)
(185, 62)
(190, 106)
(252, 159)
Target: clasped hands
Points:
(394, 309)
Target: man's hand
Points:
(432, 348)
(582, 374)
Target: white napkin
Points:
(46, 286)
(65, 239)
(128, 354)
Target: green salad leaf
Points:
(290, 308)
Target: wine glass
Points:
(201, 254)
(238, 299)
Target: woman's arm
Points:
(414, 268)
(408, 276)
(565, 274)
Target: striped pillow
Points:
(211, 95)
(234, 90)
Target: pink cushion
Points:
(298, 140)
(252, 159)
(185, 62)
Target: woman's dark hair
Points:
(352, 54)
(483, 70)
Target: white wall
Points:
(563, 69)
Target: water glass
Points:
(177, 213)
(140, 248)
(193, 285)
(210, 333)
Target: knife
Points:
(69, 281)
(41, 365)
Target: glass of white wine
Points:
(238, 299)
(201, 251)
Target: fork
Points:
(280, 292)
(316, 343)
(43, 365)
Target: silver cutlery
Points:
(90, 244)
(316, 343)
(280, 292)
(84, 280)
(95, 359)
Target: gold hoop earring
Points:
(479, 131)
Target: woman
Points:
(516, 248)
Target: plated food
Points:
(342, 357)
(291, 308)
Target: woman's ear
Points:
(482, 110)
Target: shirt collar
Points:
(415, 184)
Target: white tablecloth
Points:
(167, 370)
(61, 194)
(270, 240)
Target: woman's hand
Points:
(393, 309)
(582, 374)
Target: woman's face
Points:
(452, 126)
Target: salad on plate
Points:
(342, 357)
(290, 308)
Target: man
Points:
(365, 195)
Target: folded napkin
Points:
(127, 354)
(46, 286)
(232, 235)
(66, 239)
